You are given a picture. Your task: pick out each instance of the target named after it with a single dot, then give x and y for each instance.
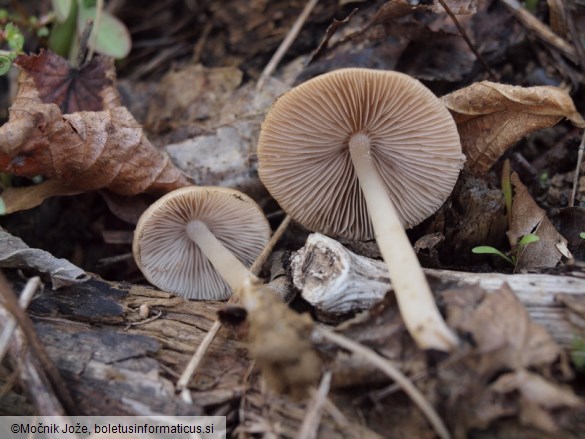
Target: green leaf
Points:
(578, 352)
(86, 4)
(14, 37)
(43, 32)
(486, 249)
(63, 34)
(582, 235)
(5, 64)
(4, 14)
(112, 37)
(527, 239)
(62, 9)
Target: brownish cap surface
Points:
(169, 259)
(304, 158)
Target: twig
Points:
(541, 30)
(389, 369)
(145, 321)
(466, 38)
(99, 7)
(202, 348)
(310, 424)
(577, 170)
(25, 299)
(286, 43)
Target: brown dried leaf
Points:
(489, 379)
(71, 89)
(492, 117)
(86, 150)
(504, 335)
(537, 397)
(177, 105)
(23, 198)
(528, 217)
(458, 7)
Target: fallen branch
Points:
(337, 281)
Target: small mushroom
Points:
(361, 153)
(197, 241)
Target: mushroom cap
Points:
(169, 259)
(304, 158)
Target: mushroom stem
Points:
(227, 265)
(413, 294)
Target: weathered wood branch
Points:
(337, 281)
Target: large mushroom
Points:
(360, 153)
(198, 241)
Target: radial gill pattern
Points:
(170, 260)
(304, 158)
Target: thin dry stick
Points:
(577, 169)
(24, 300)
(541, 29)
(466, 38)
(286, 43)
(389, 369)
(99, 7)
(310, 424)
(202, 349)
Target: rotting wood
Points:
(110, 370)
(337, 281)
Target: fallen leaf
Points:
(528, 217)
(504, 335)
(537, 397)
(499, 371)
(14, 253)
(176, 104)
(86, 150)
(56, 82)
(492, 117)
(570, 222)
(225, 156)
(22, 198)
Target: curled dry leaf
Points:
(86, 150)
(509, 367)
(21, 198)
(528, 217)
(14, 253)
(492, 117)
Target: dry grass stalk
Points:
(394, 373)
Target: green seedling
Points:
(578, 353)
(109, 35)
(582, 235)
(512, 258)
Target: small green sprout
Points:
(511, 258)
(582, 235)
(578, 353)
(109, 37)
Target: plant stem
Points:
(413, 294)
(227, 265)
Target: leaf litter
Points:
(508, 367)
